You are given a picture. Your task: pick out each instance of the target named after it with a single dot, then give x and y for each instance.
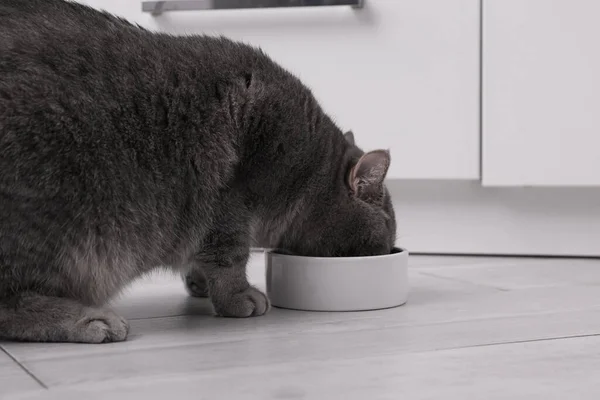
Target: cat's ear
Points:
(369, 172)
(349, 136)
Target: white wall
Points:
(541, 93)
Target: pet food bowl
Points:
(337, 283)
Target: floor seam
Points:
(549, 339)
(24, 368)
(432, 275)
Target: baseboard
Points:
(459, 217)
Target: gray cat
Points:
(123, 150)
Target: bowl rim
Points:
(401, 252)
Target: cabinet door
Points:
(541, 92)
(402, 74)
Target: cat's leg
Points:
(223, 260)
(230, 292)
(37, 318)
(195, 282)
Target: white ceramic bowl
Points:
(337, 283)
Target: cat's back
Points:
(81, 77)
(67, 84)
(58, 39)
(26, 18)
(98, 94)
(62, 53)
(57, 34)
(59, 52)
(95, 109)
(28, 27)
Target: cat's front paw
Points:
(100, 326)
(196, 285)
(249, 303)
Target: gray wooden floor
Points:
(474, 328)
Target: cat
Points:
(124, 150)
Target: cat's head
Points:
(356, 217)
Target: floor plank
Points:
(456, 304)
(525, 275)
(13, 378)
(180, 346)
(425, 261)
(557, 369)
(433, 301)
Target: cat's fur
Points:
(123, 150)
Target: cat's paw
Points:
(249, 303)
(101, 326)
(196, 285)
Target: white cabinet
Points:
(541, 93)
(402, 74)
